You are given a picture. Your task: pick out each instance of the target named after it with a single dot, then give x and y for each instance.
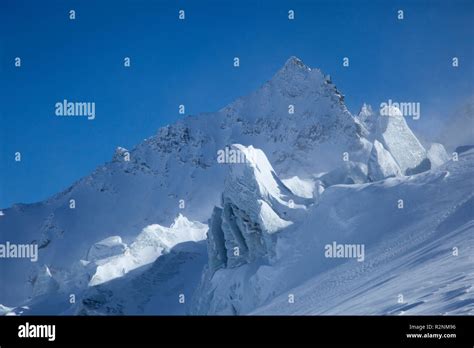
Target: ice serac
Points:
(381, 164)
(437, 155)
(255, 205)
(116, 259)
(394, 134)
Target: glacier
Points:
(422, 252)
(244, 236)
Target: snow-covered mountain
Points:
(269, 177)
(176, 171)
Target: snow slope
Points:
(114, 273)
(408, 252)
(164, 287)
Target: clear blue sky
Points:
(190, 62)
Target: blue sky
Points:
(190, 62)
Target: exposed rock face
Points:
(368, 119)
(44, 283)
